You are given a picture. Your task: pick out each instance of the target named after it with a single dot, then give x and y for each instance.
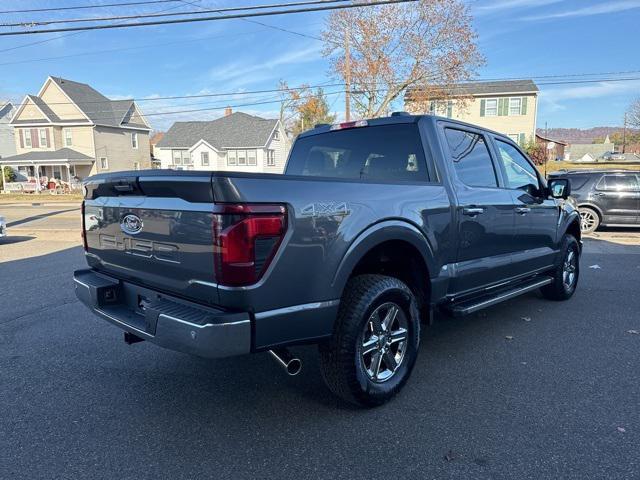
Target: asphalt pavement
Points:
(529, 389)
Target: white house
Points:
(235, 142)
(7, 142)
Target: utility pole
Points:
(546, 147)
(624, 134)
(347, 75)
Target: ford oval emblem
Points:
(131, 224)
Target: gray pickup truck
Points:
(373, 225)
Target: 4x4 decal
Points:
(325, 209)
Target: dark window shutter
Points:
(501, 102)
(48, 138)
(34, 138)
(524, 106)
(482, 107)
(521, 139)
(449, 109)
(21, 132)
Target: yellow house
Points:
(69, 131)
(508, 107)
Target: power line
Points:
(173, 14)
(123, 49)
(525, 82)
(85, 7)
(278, 100)
(40, 42)
(207, 19)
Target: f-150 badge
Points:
(325, 209)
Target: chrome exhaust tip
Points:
(291, 364)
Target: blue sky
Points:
(519, 38)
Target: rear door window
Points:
(619, 183)
(380, 153)
(471, 158)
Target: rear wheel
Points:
(589, 220)
(374, 348)
(566, 273)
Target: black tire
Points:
(589, 220)
(559, 289)
(342, 361)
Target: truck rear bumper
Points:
(164, 320)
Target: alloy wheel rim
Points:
(587, 221)
(569, 269)
(383, 342)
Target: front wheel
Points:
(566, 273)
(375, 344)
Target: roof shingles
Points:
(485, 88)
(237, 130)
(99, 109)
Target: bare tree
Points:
(290, 101)
(633, 114)
(429, 46)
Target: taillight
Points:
(245, 240)
(84, 231)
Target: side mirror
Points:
(559, 188)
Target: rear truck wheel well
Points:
(401, 260)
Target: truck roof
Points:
(404, 117)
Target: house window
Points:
(43, 138)
(276, 135)
(491, 107)
(134, 140)
(68, 139)
(72, 170)
(251, 157)
(57, 173)
(515, 106)
(232, 158)
(204, 159)
(242, 157)
(271, 158)
(181, 157)
(104, 164)
(27, 138)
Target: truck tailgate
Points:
(155, 229)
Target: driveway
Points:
(528, 389)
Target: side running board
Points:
(466, 307)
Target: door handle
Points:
(523, 210)
(472, 211)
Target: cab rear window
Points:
(378, 153)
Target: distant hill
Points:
(577, 135)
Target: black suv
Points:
(605, 197)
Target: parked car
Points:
(373, 225)
(605, 197)
(3, 227)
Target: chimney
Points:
(227, 111)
